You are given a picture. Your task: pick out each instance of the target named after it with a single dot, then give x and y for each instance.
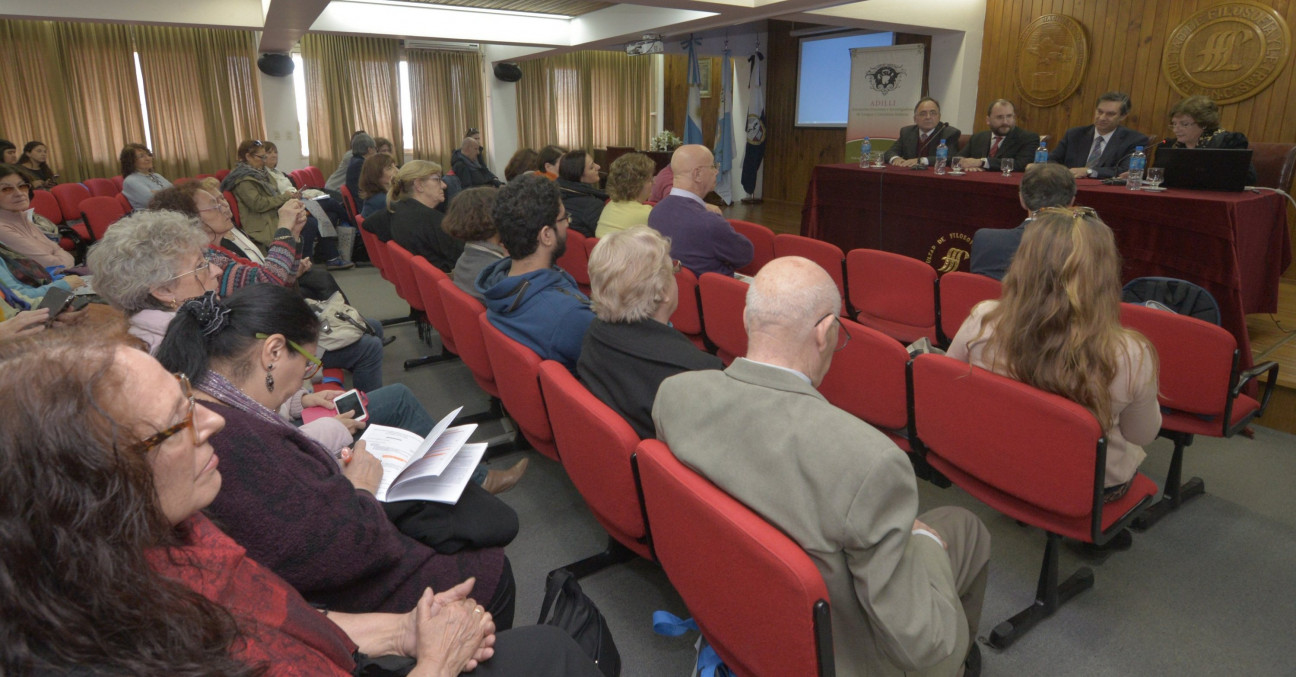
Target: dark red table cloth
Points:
(1235, 245)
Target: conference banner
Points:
(885, 84)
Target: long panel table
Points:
(1236, 245)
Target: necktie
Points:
(994, 146)
(922, 138)
(1095, 153)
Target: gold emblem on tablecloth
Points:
(951, 256)
(1228, 52)
(1053, 53)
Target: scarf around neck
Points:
(243, 169)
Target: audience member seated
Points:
(1057, 328)
(26, 281)
(475, 134)
(149, 263)
(629, 182)
(1003, 141)
(470, 219)
(467, 165)
(337, 179)
(362, 146)
(139, 181)
(700, 237)
(123, 543)
(662, 184)
(375, 179)
(331, 219)
(259, 198)
(383, 145)
(415, 193)
(630, 347)
(578, 179)
(523, 161)
(547, 161)
(301, 511)
(16, 321)
(1045, 185)
(905, 589)
(21, 228)
(528, 298)
(9, 152)
(35, 159)
(1195, 123)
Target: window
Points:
(299, 93)
(139, 82)
(407, 108)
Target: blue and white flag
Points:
(755, 126)
(724, 143)
(693, 124)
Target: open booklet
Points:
(433, 468)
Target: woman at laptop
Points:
(1195, 123)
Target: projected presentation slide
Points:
(823, 77)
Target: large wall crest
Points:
(1227, 52)
(1052, 58)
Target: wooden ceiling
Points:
(561, 7)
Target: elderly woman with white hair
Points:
(630, 347)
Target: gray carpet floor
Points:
(1210, 590)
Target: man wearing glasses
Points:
(905, 590)
(700, 237)
(917, 143)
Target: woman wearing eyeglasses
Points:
(112, 568)
(1056, 327)
(415, 192)
(1195, 123)
(19, 230)
(139, 181)
(630, 347)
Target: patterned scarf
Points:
(243, 169)
(24, 269)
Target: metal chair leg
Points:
(1049, 595)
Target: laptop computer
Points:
(1204, 168)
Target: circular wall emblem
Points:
(1054, 53)
(1227, 52)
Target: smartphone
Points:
(350, 401)
(57, 300)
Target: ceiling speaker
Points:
(508, 72)
(278, 65)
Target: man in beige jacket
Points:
(905, 590)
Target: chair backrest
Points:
(576, 259)
(1173, 294)
(46, 205)
(893, 294)
(222, 173)
(316, 177)
(826, 254)
(517, 373)
(1195, 358)
(403, 266)
(124, 203)
(349, 201)
(1274, 164)
(102, 187)
(867, 379)
(233, 205)
(756, 595)
(590, 244)
(70, 196)
(994, 432)
(183, 180)
(100, 213)
(119, 181)
(596, 445)
(461, 311)
(425, 278)
(687, 316)
(958, 293)
(762, 240)
(202, 177)
(723, 301)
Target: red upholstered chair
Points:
(576, 260)
(462, 311)
(70, 196)
(316, 177)
(182, 180)
(425, 279)
(46, 205)
(1036, 457)
(893, 294)
(125, 204)
(956, 294)
(99, 213)
(758, 598)
(723, 300)
(102, 187)
(349, 201)
(202, 177)
(596, 445)
(762, 240)
(687, 317)
(233, 205)
(222, 173)
(1201, 390)
(517, 373)
(407, 287)
(867, 379)
(118, 181)
(1274, 164)
(826, 254)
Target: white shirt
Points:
(688, 194)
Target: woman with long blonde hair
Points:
(1057, 328)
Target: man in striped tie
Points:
(917, 143)
(1101, 150)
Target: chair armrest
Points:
(1243, 379)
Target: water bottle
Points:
(1041, 153)
(942, 157)
(1137, 162)
(866, 147)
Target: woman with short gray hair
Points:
(630, 347)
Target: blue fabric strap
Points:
(668, 624)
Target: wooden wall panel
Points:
(675, 97)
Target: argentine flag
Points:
(724, 143)
(693, 125)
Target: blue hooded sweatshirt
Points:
(543, 310)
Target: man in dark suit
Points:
(1004, 141)
(1045, 185)
(918, 142)
(1101, 150)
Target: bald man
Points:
(905, 591)
(700, 237)
(467, 165)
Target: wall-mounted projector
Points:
(650, 44)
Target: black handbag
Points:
(576, 614)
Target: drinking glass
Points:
(876, 158)
(1155, 175)
(940, 165)
(956, 165)
(1006, 165)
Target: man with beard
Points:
(701, 238)
(527, 297)
(1004, 141)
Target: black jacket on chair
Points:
(584, 204)
(1019, 145)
